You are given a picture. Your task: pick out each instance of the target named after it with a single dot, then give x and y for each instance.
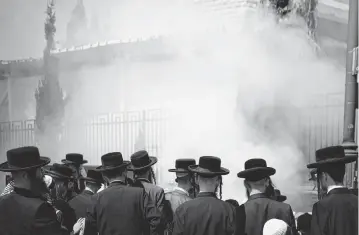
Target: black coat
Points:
(336, 213)
(81, 203)
(25, 213)
(204, 215)
(259, 209)
(120, 209)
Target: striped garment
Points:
(8, 189)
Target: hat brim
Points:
(109, 168)
(153, 160)
(72, 162)
(57, 175)
(91, 180)
(205, 172)
(345, 160)
(281, 198)
(5, 167)
(179, 171)
(257, 173)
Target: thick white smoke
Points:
(224, 73)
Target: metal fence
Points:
(317, 127)
(125, 132)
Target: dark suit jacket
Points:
(204, 215)
(24, 212)
(120, 210)
(259, 209)
(80, 203)
(156, 201)
(335, 214)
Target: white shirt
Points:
(333, 187)
(88, 189)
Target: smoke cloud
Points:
(225, 72)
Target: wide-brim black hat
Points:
(112, 161)
(23, 159)
(331, 155)
(256, 169)
(141, 160)
(74, 158)
(182, 165)
(60, 171)
(209, 166)
(93, 176)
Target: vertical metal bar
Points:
(351, 86)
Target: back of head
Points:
(276, 227)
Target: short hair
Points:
(335, 171)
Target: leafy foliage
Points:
(49, 95)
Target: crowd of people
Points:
(121, 197)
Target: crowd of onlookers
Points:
(121, 197)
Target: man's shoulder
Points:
(124, 189)
(337, 200)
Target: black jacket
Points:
(81, 203)
(25, 213)
(121, 210)
(336, 213)
(204, 215)
(259, 209)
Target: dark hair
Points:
(151, 177)
(336, 172)
(270, 189)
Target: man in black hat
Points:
(337, 212)
(81, 202)
(206, 214)
(185, 184)
(118, 209)
(25, 211)
(260, 207)
(62, 177)
(144, 177)
(76, 161)
(184, 179)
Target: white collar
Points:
(181, 189)
(331, 187)
(88, 189)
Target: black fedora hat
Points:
(182, 165)
(331, 155)
(22, 159)
(93, 176)
(256, 169)
(74, 158)
(141, 160)
(112, 161)
(278, 196)
(60, 171)
(209, 166)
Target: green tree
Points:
(49, 96)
